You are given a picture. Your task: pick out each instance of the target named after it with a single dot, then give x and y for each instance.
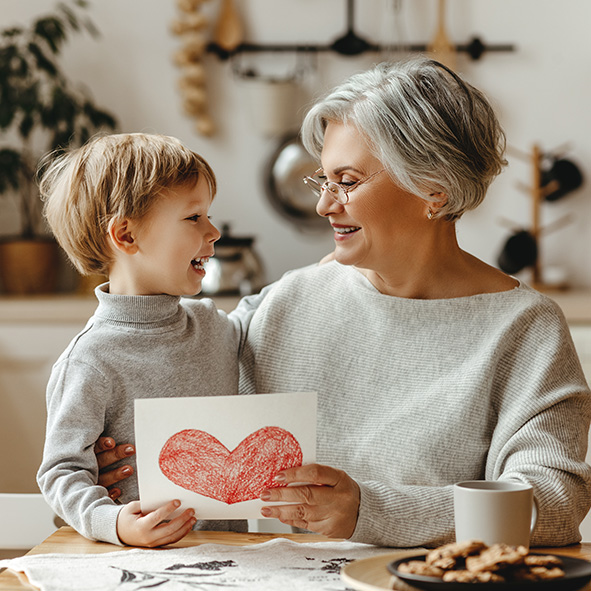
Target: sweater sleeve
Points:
(543, 409)
(77, 396)
(242, 317)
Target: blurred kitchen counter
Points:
(576, 304)
(67, 307)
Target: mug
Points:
(494, 511)
(566, 176)
(520, 251)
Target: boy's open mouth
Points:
(199, 263)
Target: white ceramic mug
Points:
(494, 511)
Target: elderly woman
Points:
(431, 366)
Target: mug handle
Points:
(534, 515)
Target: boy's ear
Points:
(121, 234)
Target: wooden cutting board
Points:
(441, 47)
(229, 32)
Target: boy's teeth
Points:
(199, 263)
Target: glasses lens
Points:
(337, 192)
(318, 183)
(314, 185)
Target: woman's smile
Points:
(342, 232)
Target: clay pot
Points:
(29, 266)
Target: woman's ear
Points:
(439, 200)
(122, 235)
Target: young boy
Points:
(133, 207)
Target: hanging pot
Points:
(285, 188)
(235, 269)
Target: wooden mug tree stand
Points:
(538, 195)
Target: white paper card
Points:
(217, 453)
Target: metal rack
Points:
(351, 44)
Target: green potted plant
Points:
(40, 111)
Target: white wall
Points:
(541, 92)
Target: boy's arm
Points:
(76, 404)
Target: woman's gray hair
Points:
(433, 132)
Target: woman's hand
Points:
(107, 453)
(329, 505)
(149, 530)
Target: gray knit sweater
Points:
(415, 395)
(133, 347)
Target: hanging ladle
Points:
(350, 43)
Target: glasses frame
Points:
(337, 192)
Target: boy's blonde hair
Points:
(111, 177)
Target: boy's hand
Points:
(135, 528)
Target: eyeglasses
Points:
(340, 193)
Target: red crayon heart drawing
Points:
(197, 461)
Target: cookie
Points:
(496, 557)
(475, 562)
(447, 556)
(465, 576)
(418, 567)
(537, 573)
(542, 560)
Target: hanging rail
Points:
(351, 44)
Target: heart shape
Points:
(197, 461)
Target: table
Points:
(67, 541)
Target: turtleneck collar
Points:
(142, 309)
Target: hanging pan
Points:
(285, 188)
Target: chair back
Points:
(25, 520)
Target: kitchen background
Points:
(541, 91)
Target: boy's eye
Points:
(194, 218)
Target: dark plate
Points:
(577, 572)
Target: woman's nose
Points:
(327, 205)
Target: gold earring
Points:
(430, 214)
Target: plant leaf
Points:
(98, 117)
(11, 164)
(43, 63)
(12, 32)
(26, 125)
(7, 108)
(70, 16)
(52, 30)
